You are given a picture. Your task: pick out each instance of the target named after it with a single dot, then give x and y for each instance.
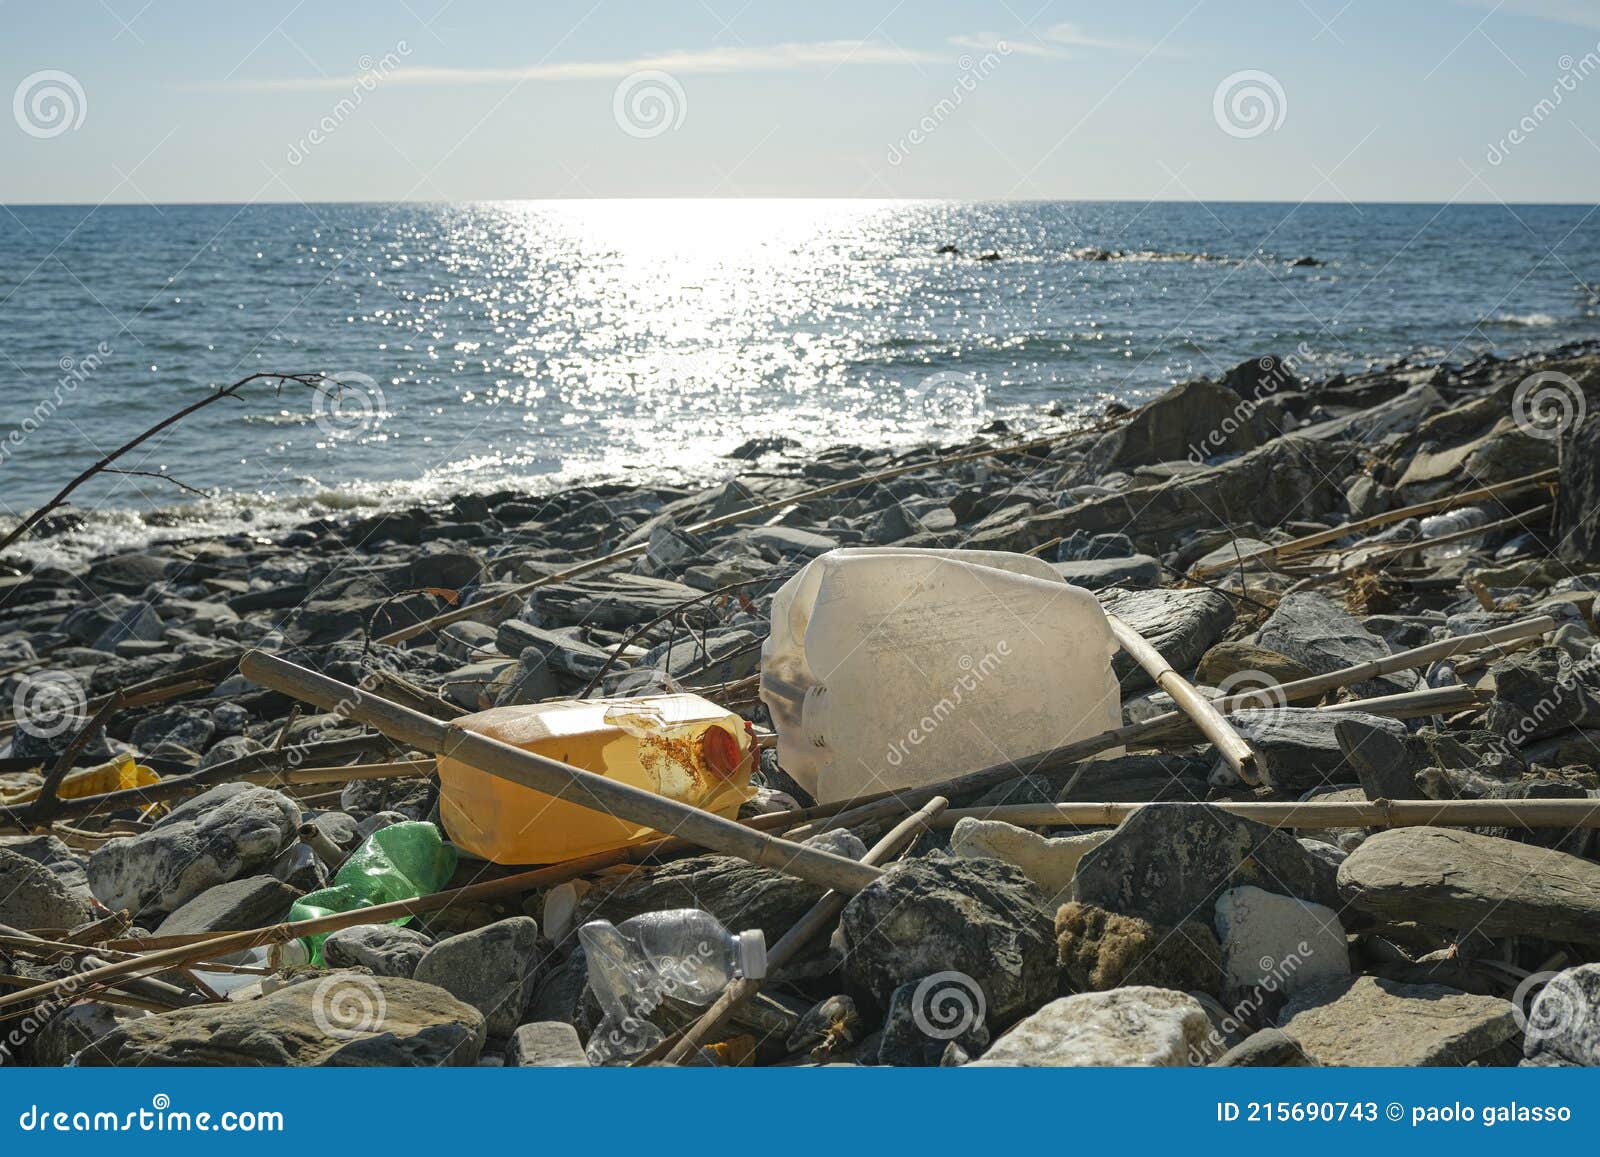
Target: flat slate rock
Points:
(1464, 881)
(342, 1019)
(1181, 624)
(1369, 1021)
(1298, 747)
(251, 902)
(1322, 636)
(1169, 863)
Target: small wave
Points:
(1520, 320)
(1095, 253)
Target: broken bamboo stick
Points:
(584, 788)
(1229, 743)
(1378, 557)
(1372, 522)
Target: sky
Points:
(130, 101)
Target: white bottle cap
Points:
(751, 953)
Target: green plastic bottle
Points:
(399, 862)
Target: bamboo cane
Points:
(1307, 541)
(1383, 813)
(1230, 745)
(584, 788)
(820, 916)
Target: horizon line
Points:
(907, 199)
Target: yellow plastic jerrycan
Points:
(679, 746)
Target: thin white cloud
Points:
(1057, 42)
(741, 58)
(1582, 13)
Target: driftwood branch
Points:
(103, 464)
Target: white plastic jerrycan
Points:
(894, 668)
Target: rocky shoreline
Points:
(1186, 935)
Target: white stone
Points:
(1133, 1026)
(1050, 863)
(1277, 942)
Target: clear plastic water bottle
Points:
(685, 954)
(1453, 522)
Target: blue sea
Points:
(536, 344)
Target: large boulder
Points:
(1135, 1026)
(1276, 942)
(250, 902)
(230, 831)
(493, 969)
(341, 1018)
(1368, 1021)
(981, 922)
(1473, 883)
(1322, 636)
(1195, 421)
(1169, 862)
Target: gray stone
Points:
(338, 1019)
(1278, 943)
(1538, 694)
(982, 919)
(546, 1044)
(1467, 882)
(557, 649)
(1268, 1048)
(1564, 1020)
(230, 831)
(1578, 499)
(927, 1016)
(1368, 1021)
(53, 854)
(1195, 420)
(1136, 570)
(786, 542)
(188, 727)
(493, 968)
(1181, 624)
(1298, 747)
(382, 949)
(34, 897)
(250, 902)
(1169, 863)
(1322, 636)
(74, 1029)
(1134, 1026)
(1378, 753)
(139, 623)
